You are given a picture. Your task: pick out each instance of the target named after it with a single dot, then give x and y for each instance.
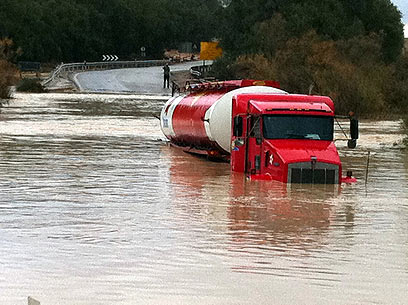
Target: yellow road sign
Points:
(210, 50)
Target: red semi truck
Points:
(260, 129)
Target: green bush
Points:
(32, 85)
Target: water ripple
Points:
(95, 208)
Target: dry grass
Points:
(8, 77)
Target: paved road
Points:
(140, 80)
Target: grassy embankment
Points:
(8, 71)
(8, 77)
(405, 127)
(32, 85)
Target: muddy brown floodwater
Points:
(96, 208)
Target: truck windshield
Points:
(298, 127)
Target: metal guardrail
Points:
(63, 70)
(199, 71)
(195, 73)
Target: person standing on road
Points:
(166, 74)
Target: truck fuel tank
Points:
(201, 119)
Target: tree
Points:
(270, 35)
(77, 30)
(330, 19)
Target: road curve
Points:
(147, 80)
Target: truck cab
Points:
(285, 137)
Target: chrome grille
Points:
(317, 173)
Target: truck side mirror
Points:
(352, 143)
(237, 131)
(354, 128)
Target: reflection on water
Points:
(96, 208)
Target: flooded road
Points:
(95, 208)
(145, 80)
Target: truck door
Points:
(254, 146)
(238, 143)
